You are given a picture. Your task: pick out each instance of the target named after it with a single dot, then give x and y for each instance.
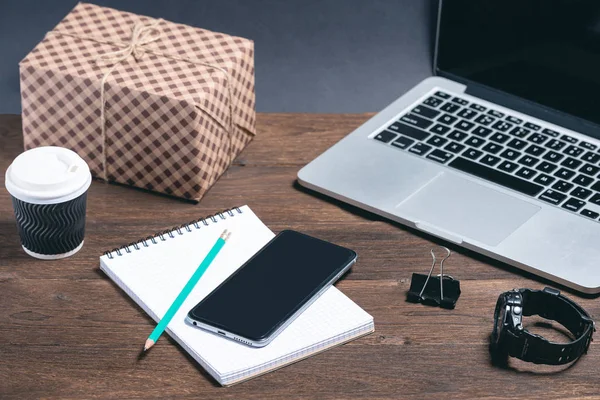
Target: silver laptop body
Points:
(528, 226)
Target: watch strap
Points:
(550, 304)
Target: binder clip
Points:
(439, 291)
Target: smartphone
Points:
(272, 288)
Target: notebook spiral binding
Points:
(171, 232)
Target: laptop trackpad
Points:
(466, 209)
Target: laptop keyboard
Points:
(503, 149)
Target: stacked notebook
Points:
(153, 271)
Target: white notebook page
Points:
(154, 275)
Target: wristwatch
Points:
(509, 338)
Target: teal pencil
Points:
(186, 290)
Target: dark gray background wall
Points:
(311, 55)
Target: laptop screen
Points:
(545, 51)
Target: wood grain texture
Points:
(67, 332)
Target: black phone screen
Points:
(270, 287)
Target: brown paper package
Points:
(146, 102)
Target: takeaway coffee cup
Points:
(49, 187)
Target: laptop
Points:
(499, 152)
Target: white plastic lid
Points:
(48, 175)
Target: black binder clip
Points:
(439, 291)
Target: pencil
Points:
(186, 290)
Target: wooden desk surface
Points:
(67, 332)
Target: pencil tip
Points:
(149, 343)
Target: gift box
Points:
(145, 102)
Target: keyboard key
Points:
(419, 149)
(402, 142)
(474, 141)
(450, 107)
(535, 150)
(425, 112)
(412, 132)
(550, 132)
(433, 102)
(467, 113)
(415, 120)
(590, 157)
(546, 167)
(439, 156)
(492, 148)
(569, 139)
(394, 127)
(477, 107)
(544, 179)
(484, 120)
(508, 166)
(442, 95)
(581, 193)
(573, 151)
(455, 147)
(570, 162)
(589, 213)
(528, 161)
(447, 119)
(502, 126)
(537, 138)
(555, 144)
(564, 173)
(553, 156)
(519, 132)
(499, 137)
(460, 101)
(596, 186)
(587, 145)
(596, 199)
(583, 180)
(437, 141)
(589, 169)
(495, 113)
(385, 136)
(573, 204)
(500, 178)
(514, 120)
(472, 154)
(481, 131)
(464, 125)
(517, 144)
(510, 154)
(457, 135)
(531, 126)
(553, 197)
(526, 173)
(563, 186)
(439, 129)
(490, 160)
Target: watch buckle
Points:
(587, 344)
(591, 338)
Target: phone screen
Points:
(273, 285)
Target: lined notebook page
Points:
(153, 276)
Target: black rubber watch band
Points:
(550, 304)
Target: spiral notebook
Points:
(153, 271)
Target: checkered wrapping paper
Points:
(168, 121)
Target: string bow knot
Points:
(140, 35)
